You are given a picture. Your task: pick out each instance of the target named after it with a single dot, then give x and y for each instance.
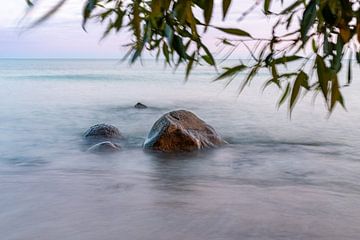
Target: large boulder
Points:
(104, 147)
(102, 131)
(181, 131)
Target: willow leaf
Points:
(234, 31)
(225, 7)
(231, 72)
(308, 19)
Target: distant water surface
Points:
(276, 179)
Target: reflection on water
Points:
(277, 179)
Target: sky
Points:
(63, 37)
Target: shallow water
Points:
(276, 179)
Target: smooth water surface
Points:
(276, 179)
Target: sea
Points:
(281, 176)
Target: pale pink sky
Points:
(63, 37)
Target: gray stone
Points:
(140, 106)
(104, 147)
(102, 131)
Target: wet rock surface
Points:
(181, 131)
(102, 131)
(140, 106)
(104, 147)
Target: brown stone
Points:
(181, 131)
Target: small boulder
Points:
(104, 147)
(181, 131)
(102, 131)
(140, 106)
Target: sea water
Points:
(278, 178)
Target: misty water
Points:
(276, 179)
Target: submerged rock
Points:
(181, 131)
(140, 106)
(104, 147)
(102, 131)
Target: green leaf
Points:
(269, 82)
(285, 94)
(89, 7)
(231, 72)
(119, 20)
(210, 56)
(323, 77)
(292, 7)
(251, 75)
(289, 20)
(287, 75)
(191, 21)
(335, 93)
(313, 44)
(274, 72)
(301, 80)
(336, 63)
(269, 59)
(226, 42)
(349, 74)
(108, 29)
(189, 66)
(234, 31)
(207, 59)
(135, 23)
(169, 34)
(180, 11)
(286, 59)
(29, 3)
(208, 10)
(358, 57)
(136, 54)
(267, 6)
(49, 13)
(105, 14)
(155, 8)
(166, 52)
(225, 7)
(305, 80)
(326, 45)
(179, 47)
(308, 19)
